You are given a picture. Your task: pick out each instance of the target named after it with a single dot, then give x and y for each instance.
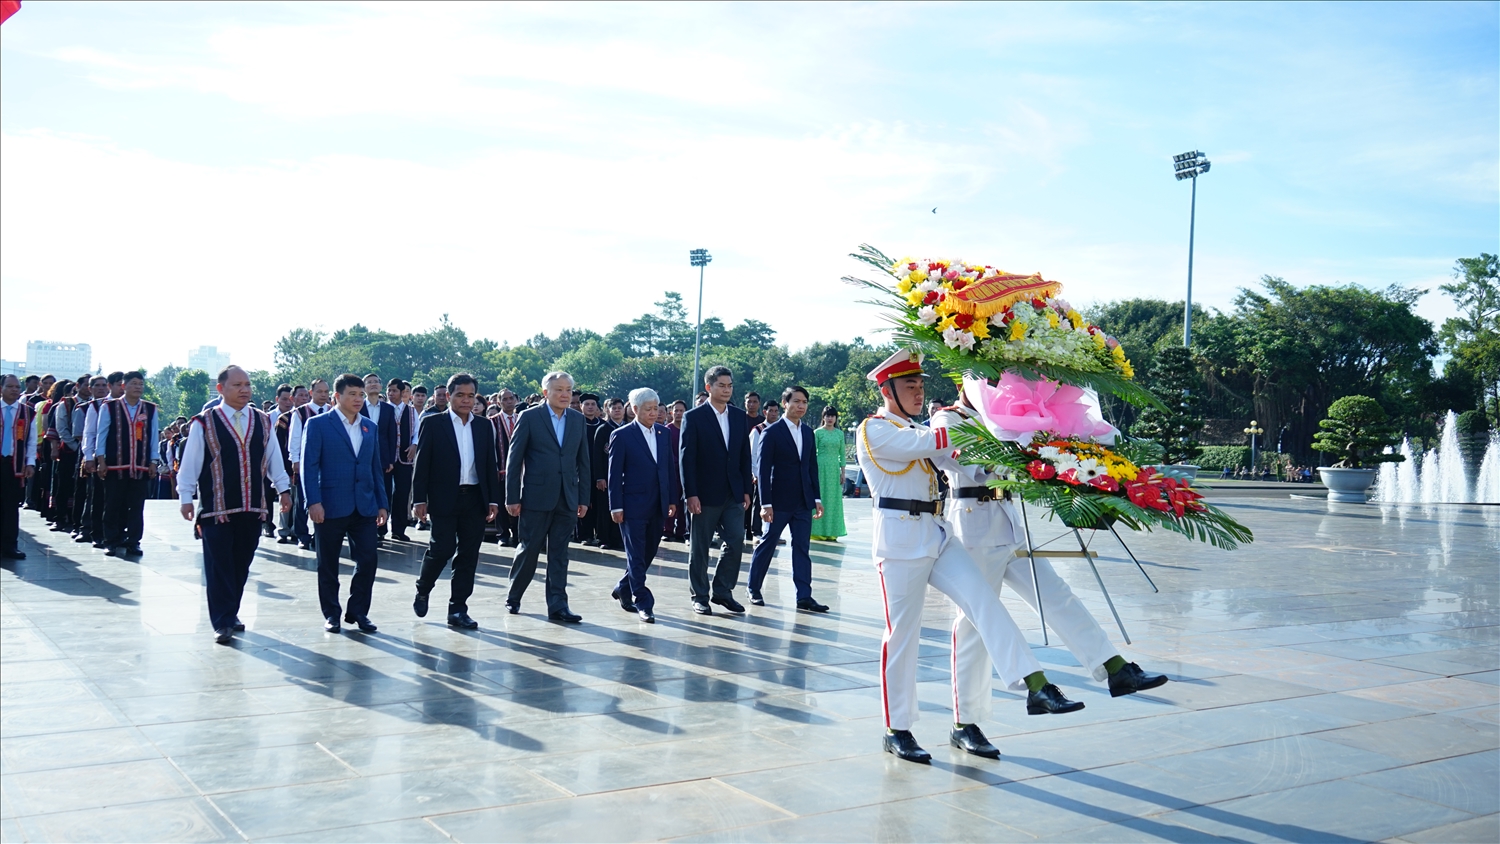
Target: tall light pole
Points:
(1190, 165)
(1254, 431)
(700, 259)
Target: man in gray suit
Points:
(547, 473)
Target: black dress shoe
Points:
(1131, 679)
(513, 608)
(462, 621)
(1050, 701)
(625, 603)
(592, 543)
(134, 551)
(419, 605)
(305, 544)
(729, 604)
(647, 616)
(904, 745)
(970, 739)
(101, 544)
(239, 626)
(702, 609)
(224, 635)
(756, 600)
(363, 621)
(286, 540)
(401, 537)
(423, 525)
(331, 624)
(115, 551)
(13, 555)
(83, 537)
(565, 615)
(809, 605)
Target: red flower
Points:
(1038, 304)
(959, 284)
(1106, 483)
(931, 298)
(963, 320)
(1041, 470)
(1071, 476)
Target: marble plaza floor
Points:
(1335, 681)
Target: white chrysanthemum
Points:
(957, 339)
(927, 315)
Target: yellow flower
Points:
(980, 329)
(946, 305)
(1052, 319)
(919, 276)
(1126, 369)
(1017, 331)
(1076, 318)
(1118, 353)
(904, 286)
(1099, 340)
(914, 298)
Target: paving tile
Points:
(186, 819)
(1436, 695)
(1271, 765)
(265, 767)
(410, 831)
(1469, 783)
(1485, 830)
(95, 786)
(923, 819)
(75, 750)
(673, 761)
(638, 814)
(1340, 811)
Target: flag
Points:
(8, 8)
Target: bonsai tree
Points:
(1177, 384)
(1356, 429)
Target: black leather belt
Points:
(980, 493)
(468, 489)
(910, 506)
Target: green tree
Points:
(1177, 383)
(192, 390)
(164, 386)
(1473, 337)
(590, 364)
(1356, 429)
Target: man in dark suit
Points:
(642, 496)
(397, 423)
(715, 460)
(789, 495)
(342, 481)
(547, 488)
(606, 532)
(456, 485)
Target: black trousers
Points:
(268, 525)
(728, 520)
(605, 529)
(549, 528)
(12, 491)
(64, 472)
(299, 512)
(82, 485)
(361, 533)
(41, 487)
(456, 536)
(93, 517)
(509, 525)
(228, 549)
(124, 500)
(398, 492)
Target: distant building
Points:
(208, 358)
(64, 360)
(13, 367)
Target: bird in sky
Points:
(934, 210)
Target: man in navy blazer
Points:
(789, 495)
(715, 460)
(344, 487)
(642, 496)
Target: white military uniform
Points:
(900, 460)
(991, 532)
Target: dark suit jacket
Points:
(599, 448)
(435, 480)
(636, 481)
(786, 480)
(538, 470)
(388, 434)
(711, 471)
(333, 475)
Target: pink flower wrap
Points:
(1017, 409)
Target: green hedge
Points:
(1216, 457)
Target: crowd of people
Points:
(364, 460)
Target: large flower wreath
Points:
(1028, 361)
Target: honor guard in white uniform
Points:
(901, 459)
(989, 528)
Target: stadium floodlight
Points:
(1190, 165)
(699, 258)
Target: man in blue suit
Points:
(642, 496)
(345, 491)
(714, 453)
(789, 496)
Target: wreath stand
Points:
(1033, 551)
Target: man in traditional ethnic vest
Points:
(124, 452)
(282, 425)
(114, 388)
(17, 463)
(990, 529)
(91, 391)
(319, 403)
(229, 458)
(901, 460)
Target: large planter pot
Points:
(1181, 471)
(1348, 485)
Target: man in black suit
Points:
(789, 497)
(715, 461)
(606, 532)
(396, 425)
(455, 486)
(547, 488)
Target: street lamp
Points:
(1190, 165)
(1254, 431)
(700, 259)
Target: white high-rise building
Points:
(208, 358)
(63, 360)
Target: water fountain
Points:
(1439, 476)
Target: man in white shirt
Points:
(787, 469)
(114, 387)
(642, 475)
(17, 463)
(221, 443)
(318, 403)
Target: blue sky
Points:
(236, 170)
